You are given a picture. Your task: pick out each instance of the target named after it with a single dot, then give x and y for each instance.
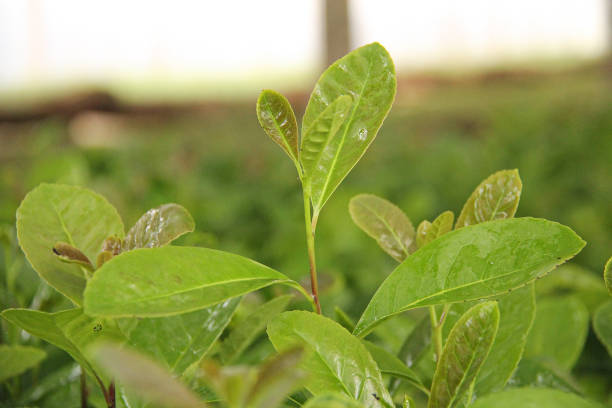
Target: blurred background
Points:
(154, 102)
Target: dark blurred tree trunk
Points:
(337, 30)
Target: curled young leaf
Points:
(466, 349)
(158, 227)
(428, 231)
(497, 197)
(384, 222)
(68, 253)
(608, 275)
(277, 119)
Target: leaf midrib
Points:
(395, 236)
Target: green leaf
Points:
(517, 312)
(332, 401)
(14, 360)
(250, 327)
(533, 398)
(417, 342)
(144, 377)
(475, 262)
(182, 340)
(158, 227)
(164, 281)
(335, 360)
(550, 336)
(602, 323)
(54, 213)
(343, 319)
(384, 222)
(368, 76)
(428, 231)
(608, 275)
(391, 365)
(497, 197)
(70, 330)
(278, 120)
(465, 351)
(316, 139)
(542, 374)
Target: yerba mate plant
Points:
(157, 325)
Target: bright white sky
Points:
(234, 41)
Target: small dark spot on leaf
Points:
(97, 328)
(55, 251)
(376, 396)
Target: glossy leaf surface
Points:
(181, 340)
(517, 311)
(474, 262)
(602, 323)
(172, 280)
(417, 342)
(497, 197)
(551, 336)
(335, 360)
(391, 365)
(144, 377)
(428, 231)
(159, 226)
(536, 373)
(367, 75)
(251, 326)
(14, 360)
(54, 213)
(533, 398)
(277, 119)
(332, 401)
(466, 349)
(384, 222)
(608, 275)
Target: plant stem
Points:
(310, 243)
(84, 392)
(111, 395)
(436, 333)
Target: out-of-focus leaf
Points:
(602, 323)
(336, 361)
(384, 222)
(517, 311)
(495, 198)
(428, 231)
(251, 326)
(417, 342)
(14, 360)
(533, 398)
(536, 373)
(608, 275)
(559, 331)
(144, 377)
(54, 213)
(391, 365)
(466, 349)
(478, 261)
(158, 227)
(181, 340)
(67, 253)
(368, 76)
(277, 119)
(343, 319)
(170, 280)
(332, 401)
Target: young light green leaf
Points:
(533, 397)
(465, 351)
(334, 400)
(67, 253)
(602, 323)
(550, 338)
(391, 365)
(277, 119)
(144, 377)
(14, 360)
(159, 226)
(368, 76)
(608, 275)
(335, 360)
(54, 213)
(542, 374)
(317, 137)
(70, 330)
(250, 327)
(155, 282)
(384, 222)
(475, 262)
(497, 197)
(428, 231)
(182, 340)
(517, 311)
